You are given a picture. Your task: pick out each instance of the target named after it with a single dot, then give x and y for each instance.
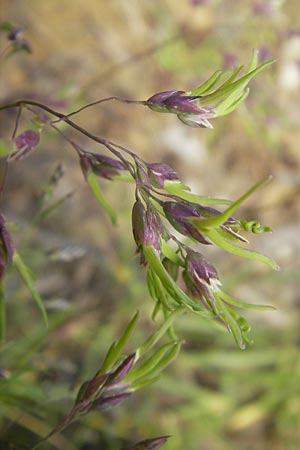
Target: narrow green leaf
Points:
(231, 102)
(170, 253)
(236, 103)
(166, 360)
(149, 364)
(169, 284)
(5, 148)
(142, 382)
(228, 75)
(215, 237)
(156, 310)
(235, 330)
(161, 331)
(28, 278)
(116, 348)
(95, 187)
(231, 323)
(234, 75)
(157, 206)
(243, 325)
(220, 219)
(171, 332)
(153, 373)
(237, 85)
(125, 178)
(254, 59)
(151, 284)
(127, 333)
(109, 359)
(234, 302)
(214, 82)
(208, 84)
(175, 188)
(157, 291)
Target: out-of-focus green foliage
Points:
(214, 397)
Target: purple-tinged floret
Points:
(146, 226)
(150, 444)
(25, 142)
(160, 172)
(178, 214)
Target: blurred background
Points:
(215, 396)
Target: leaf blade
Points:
(95, 187)
(28, 278)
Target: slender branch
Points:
(17, 122)
(5, 50)
(64, 118)
(109, 145)
(126, 150)
(58, 429)
(77, 147)
(3, 181)
(118, 99)
(20, 103)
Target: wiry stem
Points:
(58, 429)
(97, 102)
(5, 50)
(65, 118)
(17, 122)
(3, 181)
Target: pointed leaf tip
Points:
(95, 187)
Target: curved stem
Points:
(5, 50)
(4, 177)
(64, 118)
(17, 122)
(57, 114)
(59, 428)
(77, 147)
(97, 102)
(109, 145)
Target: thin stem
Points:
(5, 50)
(126, 150)
(80, 150)
(4, 177)
(64, 118)
(17, 122)
(32, 103)
(109, 145)
(97, 102)
(30, 109)
(58, 429)
(70, 141)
